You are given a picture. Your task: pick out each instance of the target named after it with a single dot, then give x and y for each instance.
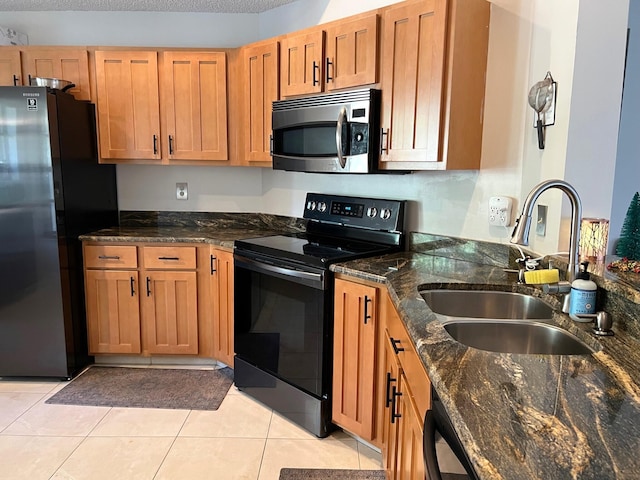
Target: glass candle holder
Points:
(594, 235)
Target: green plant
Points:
(629, 244)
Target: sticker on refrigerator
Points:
(32, 104)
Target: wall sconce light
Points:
(594, 234)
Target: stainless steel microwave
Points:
(328, 133)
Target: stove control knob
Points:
(385, 213)
(311, 205)
(322, 207)
(372, 212)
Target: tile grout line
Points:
(175, 437)
(264, 448)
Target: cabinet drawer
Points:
(410, 362)
(110, 256)
(169, 257)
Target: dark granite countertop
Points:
(518, 416)
(220, 229)
(521, 416)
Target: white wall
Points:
(627, 174)
(527, 38)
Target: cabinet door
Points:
(412, 81)
(170, 312)
(128, 104)
(351, 53)
(390, 422)
(113, 319)
(301, 64)
(410, 455)
(261, 80)
(194, 102)
(10, 73)
(222, 293)
(63, 63)
(355, 319)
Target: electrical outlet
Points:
(181, 191)
(500, 211)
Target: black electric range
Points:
(283, 308)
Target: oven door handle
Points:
(316, 280)
(342, 117)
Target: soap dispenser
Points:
(582, 300)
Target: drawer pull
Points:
(133, 291)
(148, 287)
(109, 257)
(213, 269)
(394, 414)
(174, 259)
(367, 301)
(390, 379)
(396, 348)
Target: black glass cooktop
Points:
(308, 249)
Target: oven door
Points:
(283, 321)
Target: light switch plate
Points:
(182, 192)
(541, 220)
(500, 211)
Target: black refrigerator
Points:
(52, 190)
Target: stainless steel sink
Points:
(507, 336)
(491, 304)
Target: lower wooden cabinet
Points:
(354, 368)
(144, 299)
(113, 311)
(221, 263)
(402, 444)
(381, 390)
(407, 398)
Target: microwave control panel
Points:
(359, 138)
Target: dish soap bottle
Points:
(582, 299)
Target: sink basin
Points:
(490, 304)
(508, 336)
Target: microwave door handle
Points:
(342, 116)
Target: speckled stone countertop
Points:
(220, 229)
(520, 416)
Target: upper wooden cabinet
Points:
(433, 68)
(18, 64)
(10, 67)
(351, 53)
(301, 63)
(128, 104)
(261, 86)
(193, 105)
(341, 54)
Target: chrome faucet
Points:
(520, 233)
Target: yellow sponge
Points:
(542, 276)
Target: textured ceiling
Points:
(211, 6)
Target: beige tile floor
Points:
(242, 440)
